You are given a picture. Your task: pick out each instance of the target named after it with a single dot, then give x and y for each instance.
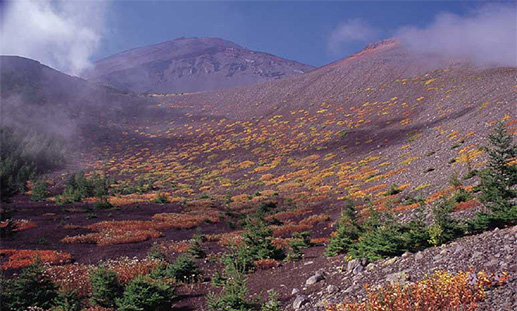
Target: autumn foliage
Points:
(19, 258)
(131, 231)
(75, 277)
(440, 291)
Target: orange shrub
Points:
(289, 187)
(226, 239)
(374, 188)
(287, 229)
(281, 242)
(131, 231)
(19, 258)
(24, 224)
(174, 246)
(440, 291)
(122, 200)
(405, 207)
(266, 264)
(289, 214)
(314, 219)
(97, 308)
(129, 225)
(320, 240)
(246, 164)
(75, 277)
(71, 277)
(266, 177)
(438, 195)
(240, 198)
(129, 268)
(466, 205)
(110, 237)
(183, 221)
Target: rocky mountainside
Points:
(376, 74)
(37, 98)
(341, 281)
(384, 128)
(191, 65)
(29, 84)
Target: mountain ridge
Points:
(191, 65)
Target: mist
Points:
(61, 34)
(353, 30)
(486, 36)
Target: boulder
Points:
(390, 261)
(318, 276)
(300, 301)
(397, 277)
(331, 289)
(356, 265)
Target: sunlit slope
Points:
(349, 129)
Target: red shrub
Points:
(466, 205)
(19, 258)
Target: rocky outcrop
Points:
(493, 251)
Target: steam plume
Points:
(485, 36)
(354, 30)
(62, 34)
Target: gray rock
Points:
(355, 265)
(390, 261)
(476, 255)
(300, 301)
(370, 267)
(437, 257)
(358, 269)
(350, 289)
(295, 291)
(458, 249)
(332, 289)
(419, 256)
(397, 277)
(319, 276)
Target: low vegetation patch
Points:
(380, 236)
(19, 258)
(440, 291)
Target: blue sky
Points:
(290, 29)
(70, 34)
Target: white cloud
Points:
(62, 34)
(353, 30)
(485, 36)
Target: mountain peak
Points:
(199, 42)
(390, 42)
(190, 65)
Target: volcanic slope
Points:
(300, 145)
(191, 65)
(349, 129)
